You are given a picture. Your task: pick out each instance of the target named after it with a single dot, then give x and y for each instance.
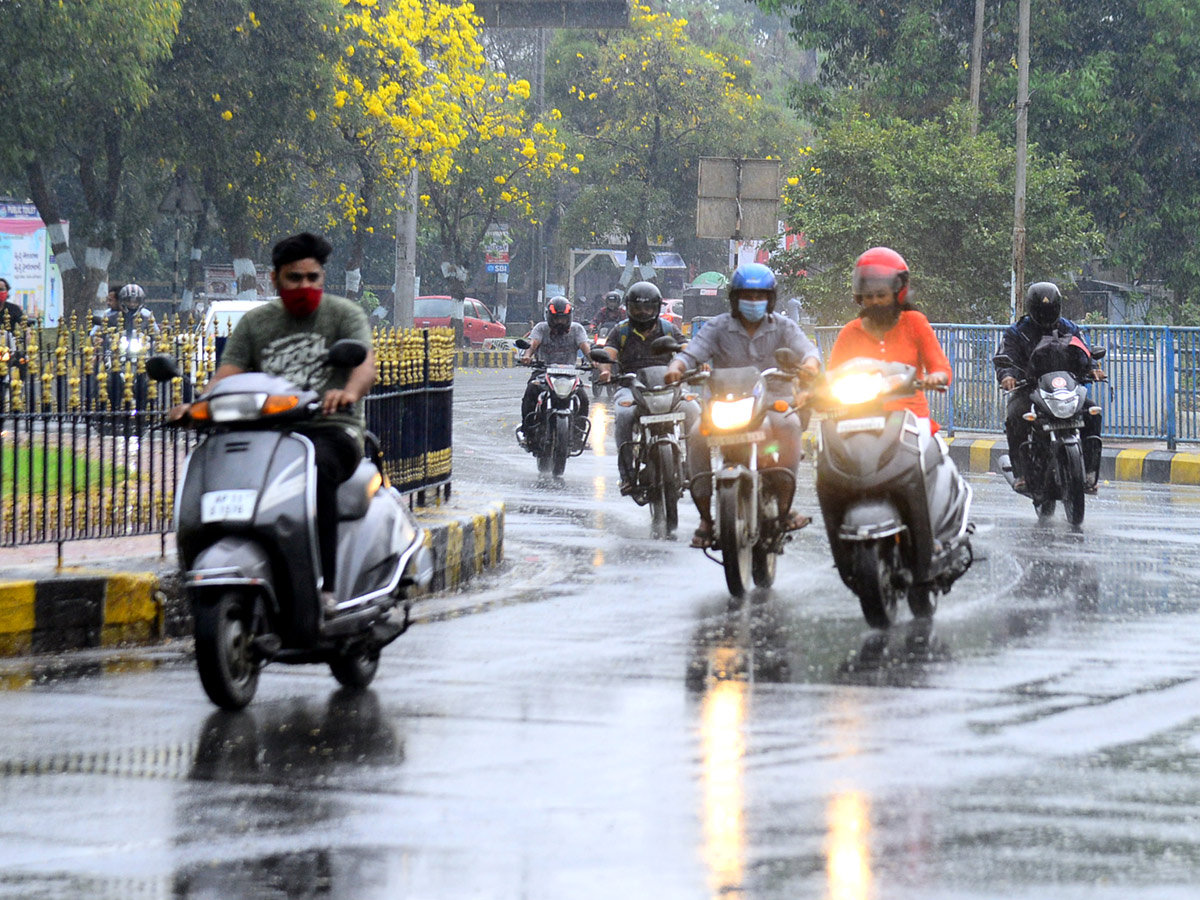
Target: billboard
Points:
(26, 262)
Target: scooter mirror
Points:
(1098, 353)
(521, 344)
(599, 356)
(162, 367)
(347, 353)
(665, 344)
(787, 359)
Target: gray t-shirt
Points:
(270, 339)
(724, 342)
(558, 349)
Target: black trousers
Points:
(337, 456)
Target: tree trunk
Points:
(46, 201)
(195, 272)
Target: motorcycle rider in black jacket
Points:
(1043, 318)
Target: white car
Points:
(223, 315)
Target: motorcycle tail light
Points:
(279, 403)
(781, 406)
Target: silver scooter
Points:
(245, 524)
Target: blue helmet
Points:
(753, 277)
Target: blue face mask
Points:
(752, 310)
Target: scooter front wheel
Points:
(874, 583)
(732, 540)
(224, 654)
(357, 668)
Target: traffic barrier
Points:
(1136, 464)
(81, 455)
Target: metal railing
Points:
(83, 453)
(1152, 392)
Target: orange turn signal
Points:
(1094, 410)
(279, 403)
(1029, 416)
(781, 406)
(199, 410)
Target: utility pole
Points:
(406, 254)
(1018, 269)
(977, 65)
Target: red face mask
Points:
(301, 301)
(3, 296)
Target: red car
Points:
(478, 321)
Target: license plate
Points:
(871, 423)
(562, 370)
(662, 417)
(227, 506)
(1063, 426)
(749, 437)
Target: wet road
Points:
(597, 720)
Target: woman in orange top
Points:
(890, 329)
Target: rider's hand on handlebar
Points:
(178, 412)
(935, 381)
(1098, 374)
(336, 399)
(1008, 383)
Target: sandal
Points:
(702, 538)
(794, 521)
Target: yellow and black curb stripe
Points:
(485, 359)
(81, 610)
(1148, 466)
(78, 610)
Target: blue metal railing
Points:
(1152, 393)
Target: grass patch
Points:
(18, 465)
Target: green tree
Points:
(77, 77)
(644, 104)
(942, 199)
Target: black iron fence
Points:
(83, 450)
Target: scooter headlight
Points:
(727, 415)
(236, 407)
(858, 387)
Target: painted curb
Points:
(484, 359)
(1129, 464)
(87, 609)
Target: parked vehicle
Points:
(1054, 452)
(551, 433)
(247, 538)
(672, 311)
(656, 452)
(896, 508)
(746, 496)
(701, 303)
(220, 318)
(438, 312)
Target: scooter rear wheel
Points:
(224, 655)
(877, 593)
(732, 539)
(355, 669)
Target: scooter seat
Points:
(353, 497)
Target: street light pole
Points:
(977, 65)
(406, 254)
(1018, 268)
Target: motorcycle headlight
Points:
(858, 387)
(1063, 404)
(729, 414)
(562, 387)
(130, 346)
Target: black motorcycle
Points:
(1054, 452)
(655, 455)
(550, 431)
(895, 506)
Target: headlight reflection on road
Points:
(599, 417)
(723, 715)
(848, 860)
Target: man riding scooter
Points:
(287, 337)
(1043, 319)
(748, 335)
(629, 346)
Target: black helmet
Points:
(1043, 304)
(558, 314)
(612, 299)
(643, 302)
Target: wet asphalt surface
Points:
(597, 719)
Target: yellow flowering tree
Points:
(400, 75)
(647, 102)
(502, 172)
